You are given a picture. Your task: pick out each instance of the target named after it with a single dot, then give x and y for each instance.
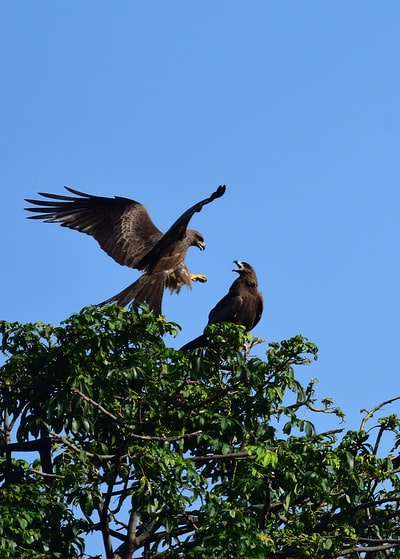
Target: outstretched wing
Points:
(177, 231)
(122, 227)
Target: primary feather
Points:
(124, 230)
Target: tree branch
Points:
(130, 428)
(352, 510)
(233, 455)
(366, 549)
(370, 413)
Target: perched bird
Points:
(125, 231)
(242, 305)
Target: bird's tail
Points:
(200, 341)
(147, 289)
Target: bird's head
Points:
(242, 267)
(196, 239)
(246, 273)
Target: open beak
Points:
(239, 265)
(201, 245)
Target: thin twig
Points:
(352, 510)
(130, 427)
(370, 413)
(218, 457)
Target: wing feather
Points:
(177, 231)
(226, 310)
(121, 226)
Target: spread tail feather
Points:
(146, 289)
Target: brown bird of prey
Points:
(242, 305)
(125, 231)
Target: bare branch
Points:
(369, 414)
(131, 536)
(366, 549)
(95, 404)
(352, 510)
(130, 427)
(233, 455)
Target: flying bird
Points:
(124, 230)
(242, 305)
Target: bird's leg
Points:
(198, 277)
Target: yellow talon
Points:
(198, 277)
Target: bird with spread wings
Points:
(124, 230)
(242, 305)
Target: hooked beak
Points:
(239, 265)
(201, 245)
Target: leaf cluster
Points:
(164, 453)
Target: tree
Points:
(170, 454)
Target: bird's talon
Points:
(198, 277)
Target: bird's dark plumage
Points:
(125, 231)
(242, 305)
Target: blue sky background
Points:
(294, 106)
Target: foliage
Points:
(170, 454)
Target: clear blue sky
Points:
(294, 106)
